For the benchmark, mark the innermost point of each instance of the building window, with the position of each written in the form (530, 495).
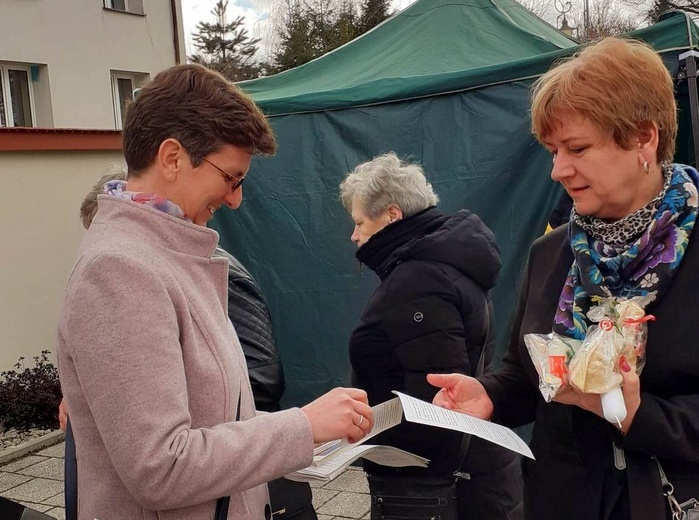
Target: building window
(128, 6)
(123, 86)
(16, 96)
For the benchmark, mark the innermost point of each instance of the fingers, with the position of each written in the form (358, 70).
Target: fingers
(362, 426)
(443, 399)
(357, 395)
(631, 390)
(359, 431)
(62, 414)
(341, 413)
(365, 418)
(355, 434)
(444, 380)
(361, 415)
(565, 395)
(630, 382)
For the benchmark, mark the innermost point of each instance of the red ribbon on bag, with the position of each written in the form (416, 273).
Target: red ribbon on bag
(636, 321)
(606, 324)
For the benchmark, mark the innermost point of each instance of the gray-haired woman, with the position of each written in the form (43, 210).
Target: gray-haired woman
(428, 315)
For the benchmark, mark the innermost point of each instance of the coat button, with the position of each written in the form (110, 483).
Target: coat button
(268, 512)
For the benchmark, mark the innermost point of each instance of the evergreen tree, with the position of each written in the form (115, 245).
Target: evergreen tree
(225, 46)
(295, 46)
(346, 26)
(373, 13)
(307, 29)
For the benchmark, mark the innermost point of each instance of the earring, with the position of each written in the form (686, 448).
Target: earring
(646, 167)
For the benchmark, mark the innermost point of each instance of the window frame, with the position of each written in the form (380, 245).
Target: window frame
(5, 67)
(115, 77)
(129, 8)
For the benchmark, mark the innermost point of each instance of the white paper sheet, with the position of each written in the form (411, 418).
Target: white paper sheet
(422, 412)
(333, 465)
(331, 458)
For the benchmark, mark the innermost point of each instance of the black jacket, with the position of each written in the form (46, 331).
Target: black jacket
(574, 475)
(428, 315)
(248, 311)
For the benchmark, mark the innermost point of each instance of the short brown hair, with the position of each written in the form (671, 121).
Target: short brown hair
(199, 108)
(620, 85)
(88, 208)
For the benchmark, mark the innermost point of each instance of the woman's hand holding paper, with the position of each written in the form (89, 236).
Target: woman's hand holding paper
(462, 394)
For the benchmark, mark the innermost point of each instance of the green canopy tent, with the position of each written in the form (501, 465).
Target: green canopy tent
(445, 83)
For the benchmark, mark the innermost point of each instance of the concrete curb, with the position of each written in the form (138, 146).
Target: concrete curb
(36, 444)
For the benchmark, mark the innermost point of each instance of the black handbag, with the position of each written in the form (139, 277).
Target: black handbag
(416, 498)
(688, 510)
(10, 510)
(402, 497)
(290, 499)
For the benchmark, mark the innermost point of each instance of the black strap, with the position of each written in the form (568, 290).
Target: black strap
(223, 502)
(678, 510)
(70, 475)
(466, 439)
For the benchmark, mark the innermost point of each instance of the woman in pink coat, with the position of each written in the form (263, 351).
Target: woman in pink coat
(161, 407)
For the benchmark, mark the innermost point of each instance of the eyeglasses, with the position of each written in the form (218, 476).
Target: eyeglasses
(235, 182)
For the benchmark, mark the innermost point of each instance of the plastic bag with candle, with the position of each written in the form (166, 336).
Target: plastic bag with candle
(592, 366)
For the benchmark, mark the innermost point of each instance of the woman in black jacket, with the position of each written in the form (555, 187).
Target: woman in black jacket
(608, 117)
(428, 315)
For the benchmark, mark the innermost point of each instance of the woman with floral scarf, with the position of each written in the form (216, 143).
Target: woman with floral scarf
(608, 117)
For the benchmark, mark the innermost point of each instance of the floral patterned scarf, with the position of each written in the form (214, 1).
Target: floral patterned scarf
(117, 189)
(644, 267)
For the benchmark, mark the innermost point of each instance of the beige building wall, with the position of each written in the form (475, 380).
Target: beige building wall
(77, 44)
(40, 233)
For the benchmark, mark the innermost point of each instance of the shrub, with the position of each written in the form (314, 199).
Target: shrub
(29, 397)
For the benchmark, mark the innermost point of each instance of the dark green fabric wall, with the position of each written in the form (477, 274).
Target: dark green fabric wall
(293, 233)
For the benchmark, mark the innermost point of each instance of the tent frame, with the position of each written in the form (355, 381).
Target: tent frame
(690, 61)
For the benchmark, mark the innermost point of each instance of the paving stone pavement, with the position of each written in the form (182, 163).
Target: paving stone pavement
(36, 481)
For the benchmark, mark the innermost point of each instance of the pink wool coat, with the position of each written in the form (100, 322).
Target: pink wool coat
(152, 371)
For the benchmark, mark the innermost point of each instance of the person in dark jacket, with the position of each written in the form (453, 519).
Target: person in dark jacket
(560, 215)
(248, 311)
(608, 116)
(428, 315)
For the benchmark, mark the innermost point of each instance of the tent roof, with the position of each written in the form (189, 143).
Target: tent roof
(676, 31)
(427, 39)
(435, 47)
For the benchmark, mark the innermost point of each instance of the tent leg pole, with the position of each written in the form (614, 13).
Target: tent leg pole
(693, 103)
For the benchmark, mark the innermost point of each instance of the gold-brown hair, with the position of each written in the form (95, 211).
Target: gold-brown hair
(199, 108)
(620, 85)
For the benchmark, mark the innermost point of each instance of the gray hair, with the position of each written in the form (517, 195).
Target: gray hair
(387, 180)
(88, 208)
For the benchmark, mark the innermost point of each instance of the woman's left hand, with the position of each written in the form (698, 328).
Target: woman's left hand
(630, 388)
